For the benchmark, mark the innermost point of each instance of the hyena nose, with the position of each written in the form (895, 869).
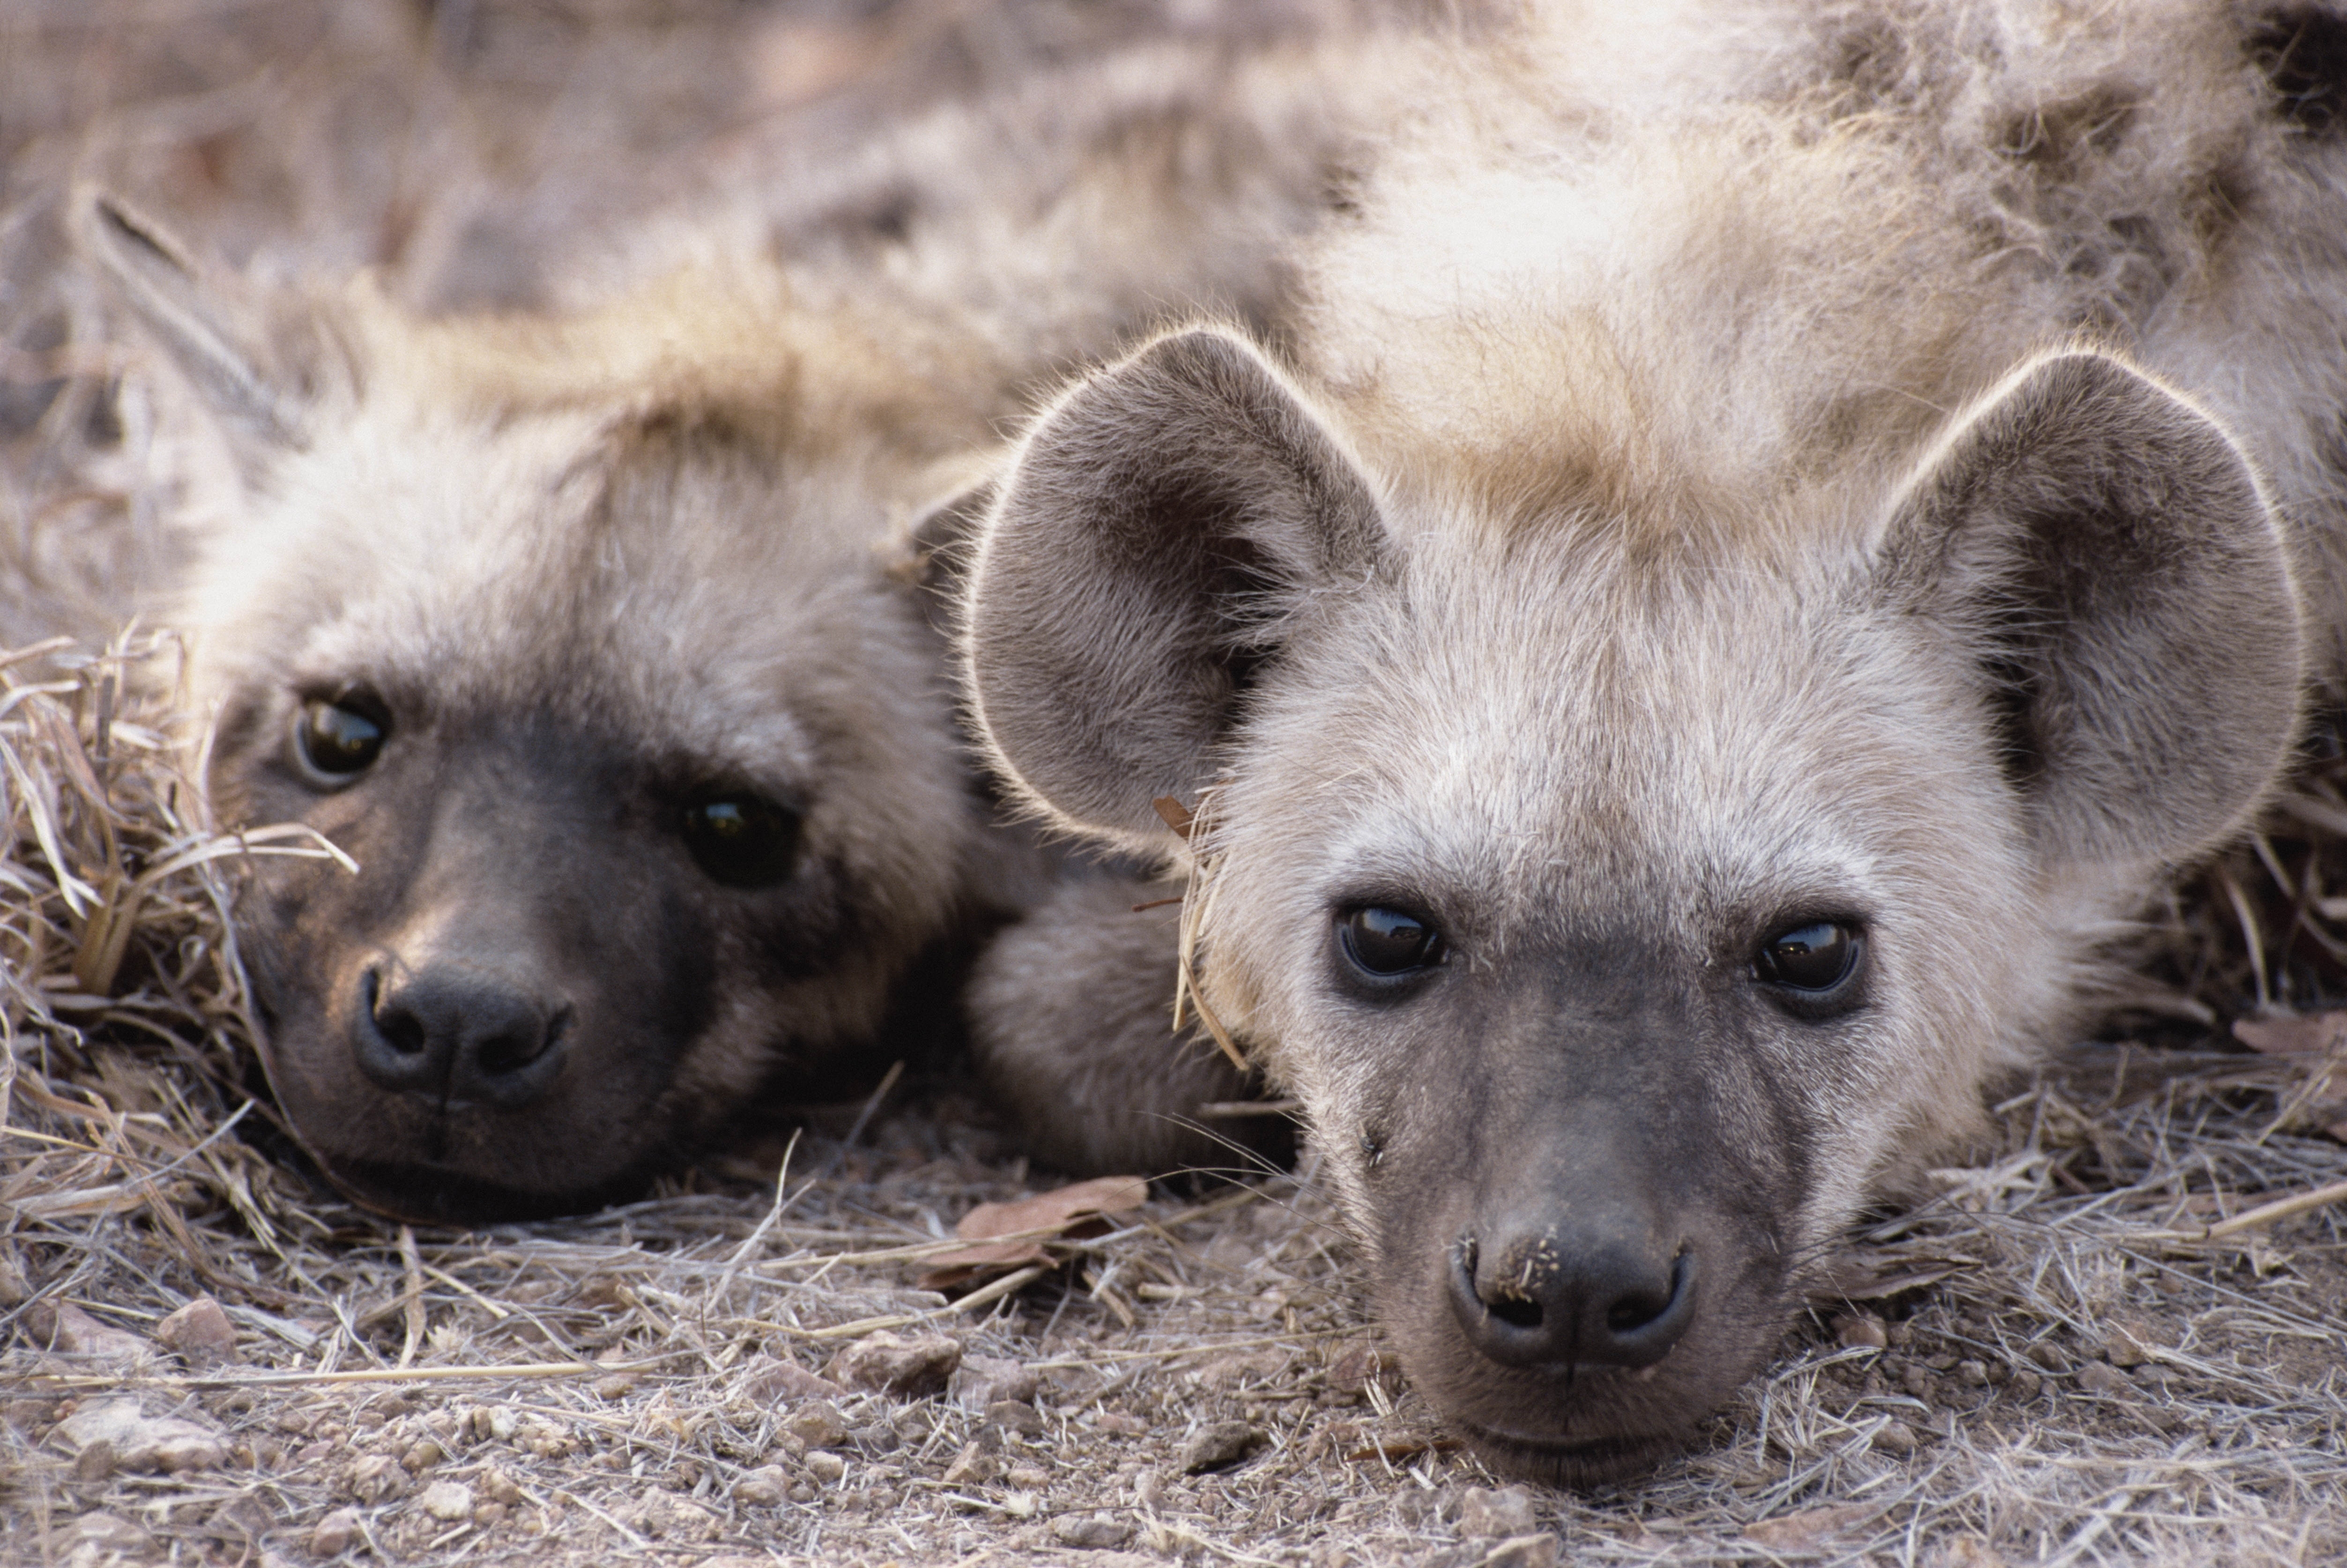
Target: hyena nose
(1546, 1296)
(451, 1030)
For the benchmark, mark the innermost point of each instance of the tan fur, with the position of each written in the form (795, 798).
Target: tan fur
(1715, 492)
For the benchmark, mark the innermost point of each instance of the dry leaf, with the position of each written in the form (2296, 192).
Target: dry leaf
(1073, 1211)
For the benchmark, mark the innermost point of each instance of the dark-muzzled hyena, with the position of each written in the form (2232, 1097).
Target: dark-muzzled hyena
(580, 633)
(1784, 522)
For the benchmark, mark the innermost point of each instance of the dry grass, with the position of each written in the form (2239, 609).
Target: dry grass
(2085, 1362)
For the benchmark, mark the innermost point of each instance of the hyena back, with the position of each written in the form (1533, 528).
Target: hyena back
(588, 636)
(1787, 521)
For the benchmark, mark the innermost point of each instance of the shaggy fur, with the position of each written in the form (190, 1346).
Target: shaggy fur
(592, 575)
(1749, 472)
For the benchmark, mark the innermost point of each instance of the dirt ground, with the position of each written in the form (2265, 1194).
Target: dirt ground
(2115, 1338)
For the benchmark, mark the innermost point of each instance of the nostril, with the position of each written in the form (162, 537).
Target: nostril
(400, 1029)
(524, 1040)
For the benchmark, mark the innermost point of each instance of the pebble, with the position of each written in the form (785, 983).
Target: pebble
(826, 1468)
(1895, 1438)
(109, 1533)
(972, 1466)
(62, 1326)
(2103, 1381)
(1219, 1447)
(906, 1368)
(421, 1456)
(1032, 1478)
(981, 1382)
(376, 1478)
(817, 1424)
(1015, 1415)
(143, 1442)
(1091, 1530)
(770, 1379)
(334, 1533)
(200, 1331)
(765, 1486)
(450, 1501)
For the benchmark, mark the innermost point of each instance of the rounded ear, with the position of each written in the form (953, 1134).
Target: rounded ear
(2105, 554)
(1159, 532)
(215, 328)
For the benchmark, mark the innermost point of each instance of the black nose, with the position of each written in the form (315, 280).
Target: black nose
(450, 1029)
(1553, 1296)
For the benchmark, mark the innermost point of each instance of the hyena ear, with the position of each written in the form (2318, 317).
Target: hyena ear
(1161, 530)
(215, 328)
(2105, 552)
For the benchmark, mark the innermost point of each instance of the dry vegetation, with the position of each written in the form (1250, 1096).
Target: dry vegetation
(2114, 1339)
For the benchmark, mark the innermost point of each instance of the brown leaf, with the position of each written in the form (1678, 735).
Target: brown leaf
(1070, 1211)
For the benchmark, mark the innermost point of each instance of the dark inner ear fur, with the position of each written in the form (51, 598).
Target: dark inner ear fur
(1163, 528)
(2102, 548)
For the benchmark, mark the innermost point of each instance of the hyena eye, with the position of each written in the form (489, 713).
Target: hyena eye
(1816, 956)
(338, 741)
(742, 840)
(1388, 943)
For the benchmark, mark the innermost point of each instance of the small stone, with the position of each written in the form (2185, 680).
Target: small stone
(769, 1381)
(62, 1326)
(1973, 1374)
(817, 1425)
(1523, 1551)
(140, 1442)
(1119, 1424)
(1896, 1439)
(972, 1466)
(1015, 1415)
(333, 1534)
(984, 1380)
(502, 1424)
(766, 1486)
(616, 1386)
(1029, 1477)
(1091, 1530)
(1149, 1490)
(95, 1462)
(497, 1485)
(1861, 1331)
(376, 1478)
(906, 1368)
(825, 1466)
(200, 1331)
(1493, 1515)
(450, 1501)
(241, 1520)
(108, 1534)
(488, 1515)
(2102, 1381)
(2128, 1344)
(1219, 1447)
(2024, 1383)
(666, 1516)
(421, 1456)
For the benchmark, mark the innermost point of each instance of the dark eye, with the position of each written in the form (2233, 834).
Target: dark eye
(1387, 943)
(742, 840)
(337, 740)
(1817, 956)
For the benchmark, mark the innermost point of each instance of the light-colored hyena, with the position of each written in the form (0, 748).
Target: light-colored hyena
(580, 632)
(1781, 523)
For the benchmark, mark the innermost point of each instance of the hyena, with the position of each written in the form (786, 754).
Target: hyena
(1779, 525)
(587, 634)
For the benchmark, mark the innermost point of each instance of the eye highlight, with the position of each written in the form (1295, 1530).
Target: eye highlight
(742, 840)
(337, 740)
(1387, 944)
(1814, 957)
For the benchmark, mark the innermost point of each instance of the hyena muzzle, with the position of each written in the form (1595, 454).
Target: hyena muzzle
(1757, 569)
(592, 636)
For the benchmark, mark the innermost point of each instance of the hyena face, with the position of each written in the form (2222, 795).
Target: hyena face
(1628, 890)
(638, 752)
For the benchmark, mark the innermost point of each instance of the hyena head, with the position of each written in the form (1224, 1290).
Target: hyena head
(596, 675)
(1626, 892)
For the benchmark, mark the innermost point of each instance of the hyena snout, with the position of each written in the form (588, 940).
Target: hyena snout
(1555, 1283)
(456, 1032)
